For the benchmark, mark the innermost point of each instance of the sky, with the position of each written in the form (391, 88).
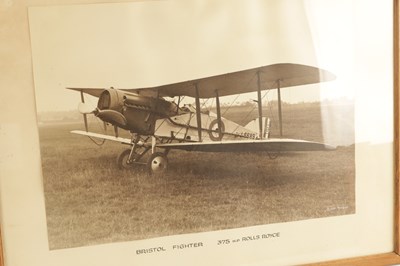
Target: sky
(144, 44)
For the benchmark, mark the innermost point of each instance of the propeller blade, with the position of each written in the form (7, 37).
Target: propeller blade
(85, 108)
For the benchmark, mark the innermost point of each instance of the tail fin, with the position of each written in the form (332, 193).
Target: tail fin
(253, 125)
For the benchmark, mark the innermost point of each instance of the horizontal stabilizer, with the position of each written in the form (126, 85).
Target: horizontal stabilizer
(272, 145)
(102, 136)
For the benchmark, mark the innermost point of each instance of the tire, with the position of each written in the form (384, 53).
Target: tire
(157, 163)
(122, 160)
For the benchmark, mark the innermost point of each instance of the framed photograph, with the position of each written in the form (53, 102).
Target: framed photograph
(222, 133)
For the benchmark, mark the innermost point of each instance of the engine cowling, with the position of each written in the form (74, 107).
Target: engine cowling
(111, 99)
(132, 111)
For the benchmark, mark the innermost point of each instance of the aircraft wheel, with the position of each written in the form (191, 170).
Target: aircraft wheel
(158, 163)
(122, 160)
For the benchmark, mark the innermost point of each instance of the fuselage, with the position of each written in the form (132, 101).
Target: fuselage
(146, 115)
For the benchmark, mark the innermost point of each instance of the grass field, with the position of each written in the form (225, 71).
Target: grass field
(89, 201)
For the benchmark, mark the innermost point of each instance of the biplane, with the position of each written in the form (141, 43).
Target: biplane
(157, 125)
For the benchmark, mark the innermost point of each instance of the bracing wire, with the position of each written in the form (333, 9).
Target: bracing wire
(229, 107)
(251, 111)
(247, 85)
(97, 143)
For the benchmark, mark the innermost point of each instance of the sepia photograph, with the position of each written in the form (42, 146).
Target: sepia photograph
(167, 118)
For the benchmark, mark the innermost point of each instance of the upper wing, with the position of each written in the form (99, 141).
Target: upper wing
(238, 82)
(246, 81)
(272, 145)
(91, 91)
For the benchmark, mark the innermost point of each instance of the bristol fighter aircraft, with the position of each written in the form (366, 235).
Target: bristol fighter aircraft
(157, 125)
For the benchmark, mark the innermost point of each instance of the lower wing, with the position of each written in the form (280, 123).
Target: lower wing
(102, 136)
(273, 145)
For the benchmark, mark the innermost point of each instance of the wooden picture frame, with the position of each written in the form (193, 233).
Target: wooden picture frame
(393, 257)
(374, 259)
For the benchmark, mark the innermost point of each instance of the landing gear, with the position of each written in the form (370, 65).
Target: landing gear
(131, 157)
(157, 163)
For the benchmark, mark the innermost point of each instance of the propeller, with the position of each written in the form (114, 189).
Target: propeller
(85, 109)
(108, 116)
